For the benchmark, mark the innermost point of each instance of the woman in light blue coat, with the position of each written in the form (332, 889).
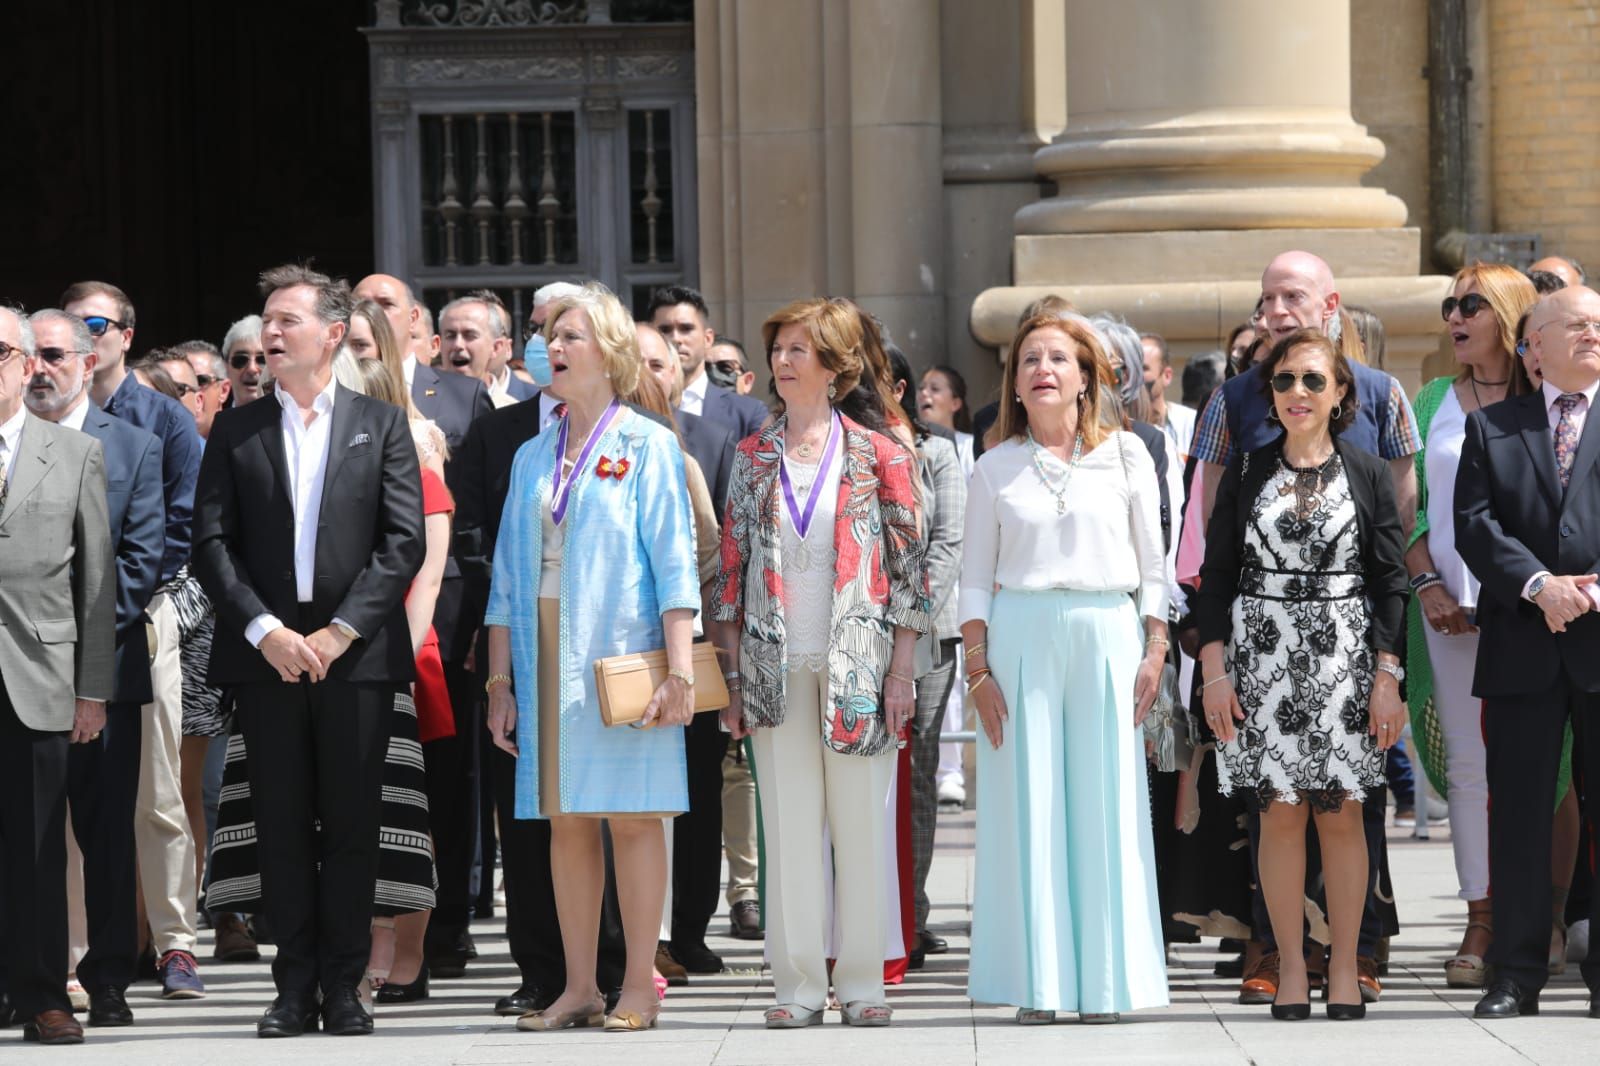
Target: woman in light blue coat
(610, 483)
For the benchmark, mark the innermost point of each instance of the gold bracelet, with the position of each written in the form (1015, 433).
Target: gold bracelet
(978, 649)
(901, 677)
(973, 686)
(1214, 681)
(682, 675)
(496, 679)
(1156, 640)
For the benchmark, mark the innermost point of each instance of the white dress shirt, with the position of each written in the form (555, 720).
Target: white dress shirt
(1580, 415)
(547, 409)
(305, 447)
(694, 394)
(10, 435)
(408, 367)
(73, 419)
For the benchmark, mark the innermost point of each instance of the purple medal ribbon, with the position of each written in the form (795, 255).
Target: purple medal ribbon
(563, 488)
(802, 520)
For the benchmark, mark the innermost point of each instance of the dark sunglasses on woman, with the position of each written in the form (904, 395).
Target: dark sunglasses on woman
(1470, 305)
(1283, 381)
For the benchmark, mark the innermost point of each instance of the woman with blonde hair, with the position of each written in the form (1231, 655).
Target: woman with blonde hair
(820, 600)
(1063, 564)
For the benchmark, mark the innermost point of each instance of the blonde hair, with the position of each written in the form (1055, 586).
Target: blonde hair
(613, 332)
(1510, 295)
(391, 355)
(1092, 363)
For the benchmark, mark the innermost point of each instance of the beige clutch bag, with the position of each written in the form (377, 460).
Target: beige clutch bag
(626, 683)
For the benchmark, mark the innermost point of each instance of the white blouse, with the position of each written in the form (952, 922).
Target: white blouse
(1109, 539)
(808, 566)
(1446, 434)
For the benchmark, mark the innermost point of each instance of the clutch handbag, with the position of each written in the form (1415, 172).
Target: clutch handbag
(626, 683)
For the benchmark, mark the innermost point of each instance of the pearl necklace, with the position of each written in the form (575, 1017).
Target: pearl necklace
(1038, 465)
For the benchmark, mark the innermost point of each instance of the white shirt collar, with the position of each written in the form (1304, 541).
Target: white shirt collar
(73, 419)
(409, 368)
(11, 433)
(322, 403)
(547, 407)
(502, 384)
(697, 387)
(1552, 394)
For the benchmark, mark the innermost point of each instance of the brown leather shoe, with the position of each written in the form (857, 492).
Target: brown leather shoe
(1367, 978)
(670, 968)
(234, 942)
(744, 920)
(53, 1027)
(1260, 983)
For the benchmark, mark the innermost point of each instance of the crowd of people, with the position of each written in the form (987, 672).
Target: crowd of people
(307, 636)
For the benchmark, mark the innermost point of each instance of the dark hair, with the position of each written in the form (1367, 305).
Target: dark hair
(333, 301)
(1251, 354)
(82, 290)
(1161, 346)
(673, 295)
(900, 374)
(962, 419)
(719, 339)
(1545, 283)
(1201, 376)
(1342, 372)
(1233, 335)
(161, 381)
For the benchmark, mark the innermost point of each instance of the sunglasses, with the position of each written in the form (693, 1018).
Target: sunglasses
(184, 388)
(98, 324)
(206, 380)
(1283, 381)
(1470, 305)
(240, 360)
(55, 356)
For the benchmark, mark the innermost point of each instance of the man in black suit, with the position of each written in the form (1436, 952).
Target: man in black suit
(103, 775)
(679, 314)
(308, 534)
(1528, 525)
(710, 442)
(452, 401)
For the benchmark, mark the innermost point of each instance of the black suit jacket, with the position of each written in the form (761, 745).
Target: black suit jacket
(370, 539)
(1512, 520)
(1377, 519)
(742, 414)
(134, 501)
(712, 444)
(1155, 442)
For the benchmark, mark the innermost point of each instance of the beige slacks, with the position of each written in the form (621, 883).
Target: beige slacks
(160, 823)
(804, 787)
(739, 825)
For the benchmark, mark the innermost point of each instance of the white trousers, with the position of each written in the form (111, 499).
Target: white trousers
(805, 787)
(951, 764)
(1460, 713)
(160, 823)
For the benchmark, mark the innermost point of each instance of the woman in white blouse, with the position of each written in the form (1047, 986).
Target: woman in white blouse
(1062, 560)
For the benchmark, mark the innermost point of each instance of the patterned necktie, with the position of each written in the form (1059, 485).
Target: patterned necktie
(558, 412)
(1567, 435)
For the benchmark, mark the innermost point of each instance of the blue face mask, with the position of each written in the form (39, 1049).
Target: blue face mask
(536, 360)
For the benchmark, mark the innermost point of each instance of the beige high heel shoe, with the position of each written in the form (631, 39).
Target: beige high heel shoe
(1467, 970)
(589, 1016)
(632, 1021)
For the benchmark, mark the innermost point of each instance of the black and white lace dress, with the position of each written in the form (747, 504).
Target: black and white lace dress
(1301, 655)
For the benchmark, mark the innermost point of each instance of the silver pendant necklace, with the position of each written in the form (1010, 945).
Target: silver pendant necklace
(1038, 465)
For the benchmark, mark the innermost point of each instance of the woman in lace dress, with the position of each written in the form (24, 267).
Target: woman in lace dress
(1301, 616)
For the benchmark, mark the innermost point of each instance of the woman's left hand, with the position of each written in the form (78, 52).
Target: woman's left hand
(1386, 714)
(899, 704)
(1146, 684)
(673, 704)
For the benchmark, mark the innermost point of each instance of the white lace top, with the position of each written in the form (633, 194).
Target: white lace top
(808, 568)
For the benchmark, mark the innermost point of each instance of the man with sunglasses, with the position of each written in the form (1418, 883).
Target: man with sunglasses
(166, 846)
(103, 775)
(1527, 522)
(210, 377)
(1297, 292)
(246, 360)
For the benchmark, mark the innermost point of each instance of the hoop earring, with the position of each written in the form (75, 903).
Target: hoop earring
(1338, 410)
(833, 391)
(1272, 416)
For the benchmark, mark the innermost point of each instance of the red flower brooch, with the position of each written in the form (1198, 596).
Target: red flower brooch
(608, 467)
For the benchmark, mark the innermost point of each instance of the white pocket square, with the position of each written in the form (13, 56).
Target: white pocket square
(359, 438)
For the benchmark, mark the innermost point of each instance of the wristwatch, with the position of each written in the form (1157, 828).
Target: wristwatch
(1536, 586)
(1394, 670)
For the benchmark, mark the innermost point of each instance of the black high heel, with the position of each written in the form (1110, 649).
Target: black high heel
(1347, 1012)
(1291, 1012)
(391, 992)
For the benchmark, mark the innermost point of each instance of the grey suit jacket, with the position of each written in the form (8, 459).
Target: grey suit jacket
(58, 583)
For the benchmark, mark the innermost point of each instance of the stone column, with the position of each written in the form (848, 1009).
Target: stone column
(1201, 140)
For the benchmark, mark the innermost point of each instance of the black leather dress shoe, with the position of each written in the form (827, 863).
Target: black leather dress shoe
(108, 1007)
(393, 992)
(1507, 999)
(698, 959)
(343, 1014)
(933, 945)
(7, 1015)
(1594, 1005)
(916, 959)
(288, 1016)
(523, 1000)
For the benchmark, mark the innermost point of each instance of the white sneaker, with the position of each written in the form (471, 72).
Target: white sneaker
(952, 793)
(1578, 940)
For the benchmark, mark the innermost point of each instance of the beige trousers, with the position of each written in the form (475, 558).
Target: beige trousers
(739, 825)
(804, 787)
(160, 823)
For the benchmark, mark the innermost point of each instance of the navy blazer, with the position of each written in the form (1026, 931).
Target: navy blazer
(520, 390)
(742, 414)
(133, 501)
(180, 461)
(712, 445)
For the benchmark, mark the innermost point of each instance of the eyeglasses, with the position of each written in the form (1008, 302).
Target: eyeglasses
(206, 380)
(1470, 305)
(1314, 382)
(8, 350)
(727, 366)
(98, 324)
(1522, 348)
(184, 388)
(55, 356)
(1576, 327)
(240, 360)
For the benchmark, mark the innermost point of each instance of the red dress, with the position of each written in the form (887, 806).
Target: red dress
(435, 719)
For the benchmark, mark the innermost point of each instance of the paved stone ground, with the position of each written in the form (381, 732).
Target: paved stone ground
(718, 1020)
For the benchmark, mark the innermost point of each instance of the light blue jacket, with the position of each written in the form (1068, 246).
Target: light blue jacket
(628, 556)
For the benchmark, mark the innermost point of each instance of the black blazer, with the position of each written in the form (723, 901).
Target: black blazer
(138, 530)
(451, 400)
(1512, 520)
(1377, 522)
(370, 538)
(742, 414)
(712, 444)
(1155, 442)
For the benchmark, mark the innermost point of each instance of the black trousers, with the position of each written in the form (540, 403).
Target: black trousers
(452, 765)
(33, 853)
(316, 756)
(697, 835)
(1523, 737)
(102, 786)
(533, 931)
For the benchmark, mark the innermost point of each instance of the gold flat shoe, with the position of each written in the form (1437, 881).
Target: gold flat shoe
(542, 1021)
(630, 1021)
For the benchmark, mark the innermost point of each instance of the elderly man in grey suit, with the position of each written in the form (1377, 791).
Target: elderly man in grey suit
(57, 657)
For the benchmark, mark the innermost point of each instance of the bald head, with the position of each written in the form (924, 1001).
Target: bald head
(661, 361)
(1561, 267)
(1564, 336)
(1298, 292)
(399, 307)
